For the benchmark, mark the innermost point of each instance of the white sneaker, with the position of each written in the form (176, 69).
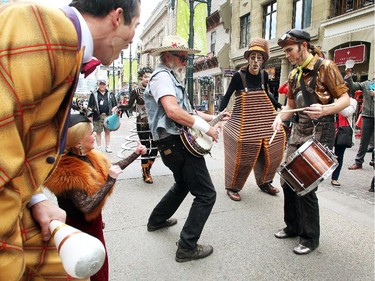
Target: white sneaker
(99, 148)
(108, 149)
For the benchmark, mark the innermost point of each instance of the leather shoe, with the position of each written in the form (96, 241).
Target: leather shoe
(200, 252)
(355, 166)
(281, 234)
(302, 250)
(234, 195)
(269, 188)
(167, 223)
(335, 183)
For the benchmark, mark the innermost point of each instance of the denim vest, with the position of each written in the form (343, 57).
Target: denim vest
(160, 125)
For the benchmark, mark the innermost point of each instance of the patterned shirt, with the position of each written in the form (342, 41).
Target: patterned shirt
(329, 81)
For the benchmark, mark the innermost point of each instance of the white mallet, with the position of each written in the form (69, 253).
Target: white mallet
(82, 255)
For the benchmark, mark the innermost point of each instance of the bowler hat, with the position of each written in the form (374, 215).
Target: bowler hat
(293, 36)
(74, 119)
(258, 45)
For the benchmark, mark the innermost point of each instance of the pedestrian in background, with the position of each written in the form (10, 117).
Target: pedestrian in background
(43, 50)
(102, 103)
(143, 128)
(169, 108)
(367, 115)
(343, 119)
(301, 213)
(83, 181)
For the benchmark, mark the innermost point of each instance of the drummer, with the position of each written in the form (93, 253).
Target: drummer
(301, 213)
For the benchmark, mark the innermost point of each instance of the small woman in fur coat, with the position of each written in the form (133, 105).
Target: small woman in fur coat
(83, 180)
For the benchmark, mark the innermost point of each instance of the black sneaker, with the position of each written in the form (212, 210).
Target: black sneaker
(167, 223)
(200, 252)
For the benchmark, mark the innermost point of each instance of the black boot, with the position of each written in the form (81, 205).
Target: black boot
(145, 173)
(200, 252)
(372, 185)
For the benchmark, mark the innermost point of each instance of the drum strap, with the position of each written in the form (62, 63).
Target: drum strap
(306, 95)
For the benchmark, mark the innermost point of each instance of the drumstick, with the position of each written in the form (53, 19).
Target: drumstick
(300, 109)
(273, 136)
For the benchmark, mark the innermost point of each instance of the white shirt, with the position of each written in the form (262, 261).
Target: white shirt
(87, 40)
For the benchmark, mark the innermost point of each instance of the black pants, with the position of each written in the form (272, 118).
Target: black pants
(301, 216)
(301, 213)
(367, 132)
(191, 175)
(339, 152)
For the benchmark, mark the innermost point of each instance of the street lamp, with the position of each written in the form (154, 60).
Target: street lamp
(113, 77)
(131, 59)
(191, 42)
(130, 68)
(190, 66)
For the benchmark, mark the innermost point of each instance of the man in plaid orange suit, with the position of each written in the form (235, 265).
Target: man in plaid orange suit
(42, 51)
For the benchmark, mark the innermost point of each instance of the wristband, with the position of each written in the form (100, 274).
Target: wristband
(200, 124)
(36, 198)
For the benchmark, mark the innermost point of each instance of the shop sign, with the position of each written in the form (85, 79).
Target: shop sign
(355, 53)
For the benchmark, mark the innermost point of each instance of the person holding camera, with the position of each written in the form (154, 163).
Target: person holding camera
(101, 103)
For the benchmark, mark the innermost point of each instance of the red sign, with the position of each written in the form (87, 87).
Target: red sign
(356, 53)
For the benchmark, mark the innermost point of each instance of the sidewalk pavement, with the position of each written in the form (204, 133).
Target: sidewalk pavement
(240, 232)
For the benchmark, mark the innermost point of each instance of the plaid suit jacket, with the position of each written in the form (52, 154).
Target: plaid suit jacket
(39, 68)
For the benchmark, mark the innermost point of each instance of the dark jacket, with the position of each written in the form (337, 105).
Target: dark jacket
(94, 107)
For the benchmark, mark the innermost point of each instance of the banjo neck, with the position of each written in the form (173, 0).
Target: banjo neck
(216, 120)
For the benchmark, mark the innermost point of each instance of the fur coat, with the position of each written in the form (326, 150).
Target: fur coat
(74, 173)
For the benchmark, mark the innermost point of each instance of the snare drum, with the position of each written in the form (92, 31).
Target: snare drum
(308, 166)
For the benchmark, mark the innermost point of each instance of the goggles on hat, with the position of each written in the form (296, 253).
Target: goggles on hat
(293, 35)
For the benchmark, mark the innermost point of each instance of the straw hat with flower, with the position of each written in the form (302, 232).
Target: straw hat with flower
(172, 43)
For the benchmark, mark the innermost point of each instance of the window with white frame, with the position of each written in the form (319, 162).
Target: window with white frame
(244, 30)
(301, 13)
(269, 20)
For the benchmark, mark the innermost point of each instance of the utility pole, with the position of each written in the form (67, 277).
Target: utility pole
(113, 77)
(130, 68)
(190, 66)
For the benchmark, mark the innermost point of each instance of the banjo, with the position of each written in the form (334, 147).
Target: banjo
(197, 142)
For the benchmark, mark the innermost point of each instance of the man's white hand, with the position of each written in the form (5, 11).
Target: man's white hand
(44, 212)
(213, 133)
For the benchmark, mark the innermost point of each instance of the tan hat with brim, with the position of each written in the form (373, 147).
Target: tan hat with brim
(258, 45)
(172, 43)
